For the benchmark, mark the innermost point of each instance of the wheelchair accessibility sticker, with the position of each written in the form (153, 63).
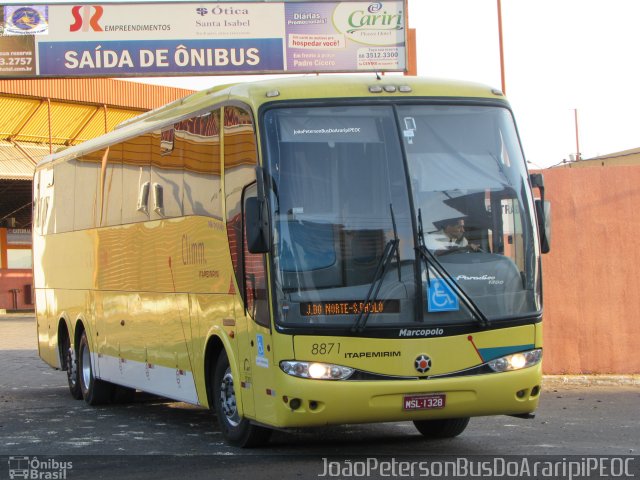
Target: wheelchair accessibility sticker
(440, 297)
(261, 359)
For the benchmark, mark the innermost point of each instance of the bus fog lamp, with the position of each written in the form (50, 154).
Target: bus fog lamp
(316, 370)
(516, 361)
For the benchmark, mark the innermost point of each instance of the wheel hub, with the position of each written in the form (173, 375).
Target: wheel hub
(228, 399)
(86, 367)
(72, 366)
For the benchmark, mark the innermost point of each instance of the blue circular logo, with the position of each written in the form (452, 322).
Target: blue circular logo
(26, 18)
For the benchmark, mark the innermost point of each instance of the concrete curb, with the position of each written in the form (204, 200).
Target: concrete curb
(550, 381)
(11, 315)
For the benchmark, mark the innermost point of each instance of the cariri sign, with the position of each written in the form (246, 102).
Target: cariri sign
(172, 39)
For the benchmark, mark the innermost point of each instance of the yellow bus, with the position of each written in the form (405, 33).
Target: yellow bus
(299, 252)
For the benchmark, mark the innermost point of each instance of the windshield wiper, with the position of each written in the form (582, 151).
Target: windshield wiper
(390, 249)
(397, 240)
(432, 260)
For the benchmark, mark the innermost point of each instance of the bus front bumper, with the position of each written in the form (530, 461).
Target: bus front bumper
(305, 402)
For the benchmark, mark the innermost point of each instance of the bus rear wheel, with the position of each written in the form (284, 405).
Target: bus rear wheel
(238, 431)
(442, 428)
(94, 391)
(71, 366)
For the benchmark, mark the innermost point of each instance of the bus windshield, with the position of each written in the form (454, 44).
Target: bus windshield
(359, 192)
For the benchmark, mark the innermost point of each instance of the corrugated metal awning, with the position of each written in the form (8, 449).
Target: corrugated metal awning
(40, 116)
(15, 165)
(31, 128)
(32, 120)
(101, 91)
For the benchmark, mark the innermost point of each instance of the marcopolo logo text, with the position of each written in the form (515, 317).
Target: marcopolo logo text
(421, 332)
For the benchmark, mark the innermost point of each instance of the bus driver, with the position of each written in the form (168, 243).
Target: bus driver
(450, 236)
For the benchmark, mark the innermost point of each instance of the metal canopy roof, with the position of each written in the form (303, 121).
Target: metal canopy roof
(15, 165)
(29, 122)
(38, 117)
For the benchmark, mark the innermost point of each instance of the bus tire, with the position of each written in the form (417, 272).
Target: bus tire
(71, 366)
(442, 428)
(94, 391)
(237, 431)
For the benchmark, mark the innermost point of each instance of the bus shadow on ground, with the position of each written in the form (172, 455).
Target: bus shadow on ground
(55, 423)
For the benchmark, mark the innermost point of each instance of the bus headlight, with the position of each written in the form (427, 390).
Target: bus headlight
(516, 361)
(316, 370)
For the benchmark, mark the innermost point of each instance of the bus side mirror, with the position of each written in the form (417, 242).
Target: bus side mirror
(257, 225)
(543, 213)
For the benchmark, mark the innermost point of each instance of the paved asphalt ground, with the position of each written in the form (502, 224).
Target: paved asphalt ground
(157, 438)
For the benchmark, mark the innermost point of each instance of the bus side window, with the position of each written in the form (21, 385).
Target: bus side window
(87, 178)
(61, 220)
(166, 189)
(136, 173)
(112, 188)
(199, 140)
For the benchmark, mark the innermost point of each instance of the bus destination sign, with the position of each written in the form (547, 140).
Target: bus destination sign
(349, 307)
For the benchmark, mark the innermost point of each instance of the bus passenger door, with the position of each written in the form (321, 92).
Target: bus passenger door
(248, 277)
(255, 355)
(257, 319)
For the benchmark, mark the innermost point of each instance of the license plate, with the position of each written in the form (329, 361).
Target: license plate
(424, 402)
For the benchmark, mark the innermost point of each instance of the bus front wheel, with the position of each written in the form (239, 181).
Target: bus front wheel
(442, 428)
(236, 430)
(94, 391)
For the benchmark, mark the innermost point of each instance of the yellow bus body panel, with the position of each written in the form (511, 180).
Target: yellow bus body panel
(326, 402)
(389, 356)
(382, 401)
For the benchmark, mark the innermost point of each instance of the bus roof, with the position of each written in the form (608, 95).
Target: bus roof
(358, 86)
(257, 93)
